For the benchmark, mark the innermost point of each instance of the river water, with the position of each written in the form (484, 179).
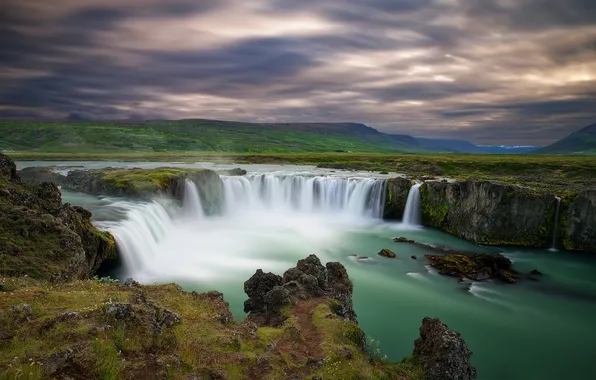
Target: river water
(277, 215)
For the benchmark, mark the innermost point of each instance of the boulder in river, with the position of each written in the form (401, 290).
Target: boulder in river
(387, 253)
(474, 266)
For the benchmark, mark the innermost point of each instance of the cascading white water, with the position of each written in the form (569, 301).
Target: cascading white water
(260, 209)
(138, 235)
(363, 197)
(191, 203)
(556, 225)
(412, 210)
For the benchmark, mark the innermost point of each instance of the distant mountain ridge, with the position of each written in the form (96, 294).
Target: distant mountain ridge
(202, 135)
(579, 142)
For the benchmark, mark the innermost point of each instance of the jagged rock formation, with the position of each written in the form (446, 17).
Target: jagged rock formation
(442, 353)
(42, 237)
(269, 293)
(397, 195)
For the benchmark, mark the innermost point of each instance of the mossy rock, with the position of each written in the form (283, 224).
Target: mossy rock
(149, 183)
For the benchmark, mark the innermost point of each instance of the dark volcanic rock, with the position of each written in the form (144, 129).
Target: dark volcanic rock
(269, 293)
(312, 265)
(387, 253)
(442, 353)
(475, 266)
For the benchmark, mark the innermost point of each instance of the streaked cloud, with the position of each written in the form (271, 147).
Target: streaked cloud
(491, 71)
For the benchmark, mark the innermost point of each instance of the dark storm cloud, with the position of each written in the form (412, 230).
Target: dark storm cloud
(489, 71)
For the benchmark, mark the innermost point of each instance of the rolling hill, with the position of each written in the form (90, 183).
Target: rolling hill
(200, 135)
(580, 142)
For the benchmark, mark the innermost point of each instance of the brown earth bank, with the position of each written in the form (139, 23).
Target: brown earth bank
(56, 323)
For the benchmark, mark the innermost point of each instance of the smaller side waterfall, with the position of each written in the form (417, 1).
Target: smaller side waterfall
(412, 211)
(191, 203)
(556, 225)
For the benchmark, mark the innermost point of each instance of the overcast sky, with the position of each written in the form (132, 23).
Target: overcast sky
(490, 71)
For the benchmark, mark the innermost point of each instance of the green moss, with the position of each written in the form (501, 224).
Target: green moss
(107, 359)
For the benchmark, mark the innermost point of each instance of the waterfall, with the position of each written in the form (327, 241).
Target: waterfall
(139, 233)
(412, 211)
(152, 234)
(191, 203)
(556, 225)
(355, 196)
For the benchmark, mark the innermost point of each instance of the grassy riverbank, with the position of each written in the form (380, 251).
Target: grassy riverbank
(533, 170)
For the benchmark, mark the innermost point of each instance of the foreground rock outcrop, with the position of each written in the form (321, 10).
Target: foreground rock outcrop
(43, 238)
(102, 329)
(442, 353)
(269, 293)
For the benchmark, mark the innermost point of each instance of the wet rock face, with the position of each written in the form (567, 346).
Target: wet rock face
(489, 213)
(578, 223)
(397, 195)
(269, 293)
(442, 353)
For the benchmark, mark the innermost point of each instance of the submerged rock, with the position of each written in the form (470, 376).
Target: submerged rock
(442, 353)
(478, 266)
(387, 253)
